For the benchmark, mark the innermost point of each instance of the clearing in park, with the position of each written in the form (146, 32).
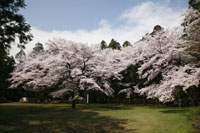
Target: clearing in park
(101, 118)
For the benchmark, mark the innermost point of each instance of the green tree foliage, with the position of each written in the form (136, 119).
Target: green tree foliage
(126, 44)
(13, 27)
(114, 44)
(20, 56)
(156, 29)
(195, 4)
(12, 24)
(103, 44)
(6, 66)
(38, 48)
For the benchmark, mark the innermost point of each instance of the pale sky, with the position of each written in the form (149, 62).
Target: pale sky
(90, 21)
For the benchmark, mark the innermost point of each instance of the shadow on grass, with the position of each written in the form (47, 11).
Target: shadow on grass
(170, 110)
(174, 111)
(57, 119)
(106, 107)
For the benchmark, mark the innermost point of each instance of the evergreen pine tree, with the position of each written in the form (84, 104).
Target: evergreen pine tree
(114, 44)
(103, 44)
(126, 44)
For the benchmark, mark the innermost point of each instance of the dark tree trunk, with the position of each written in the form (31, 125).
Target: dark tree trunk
(73, 101)
(179, 103)
(145, 102)
(73, 104)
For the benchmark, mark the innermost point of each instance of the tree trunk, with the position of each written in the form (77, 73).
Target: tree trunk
(193, 103)
(87, 98)
(179, 103)
(73, 100)
(73, 104)
(145, 102)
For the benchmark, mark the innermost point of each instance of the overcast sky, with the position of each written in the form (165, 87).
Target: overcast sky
(90, 21)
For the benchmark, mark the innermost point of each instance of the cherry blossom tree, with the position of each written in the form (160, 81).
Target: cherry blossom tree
(108, 66)
(163, 65)
(161, 60)
(66, 64)
(191, 25)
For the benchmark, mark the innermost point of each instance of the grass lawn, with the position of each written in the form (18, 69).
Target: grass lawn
(105, 118)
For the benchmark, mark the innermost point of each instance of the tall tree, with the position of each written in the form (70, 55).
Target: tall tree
(191, 25)
(37, 49)
(6, 67)
(162, 65)
(194, 4)
(156, 29)
(114, 44)
(64, 64)
(126, 44)
(12, 24)
(103, 44)
(13, 28)
(20, 56)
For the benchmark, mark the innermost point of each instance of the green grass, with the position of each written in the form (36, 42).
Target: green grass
(195, 117)
(105, 118)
